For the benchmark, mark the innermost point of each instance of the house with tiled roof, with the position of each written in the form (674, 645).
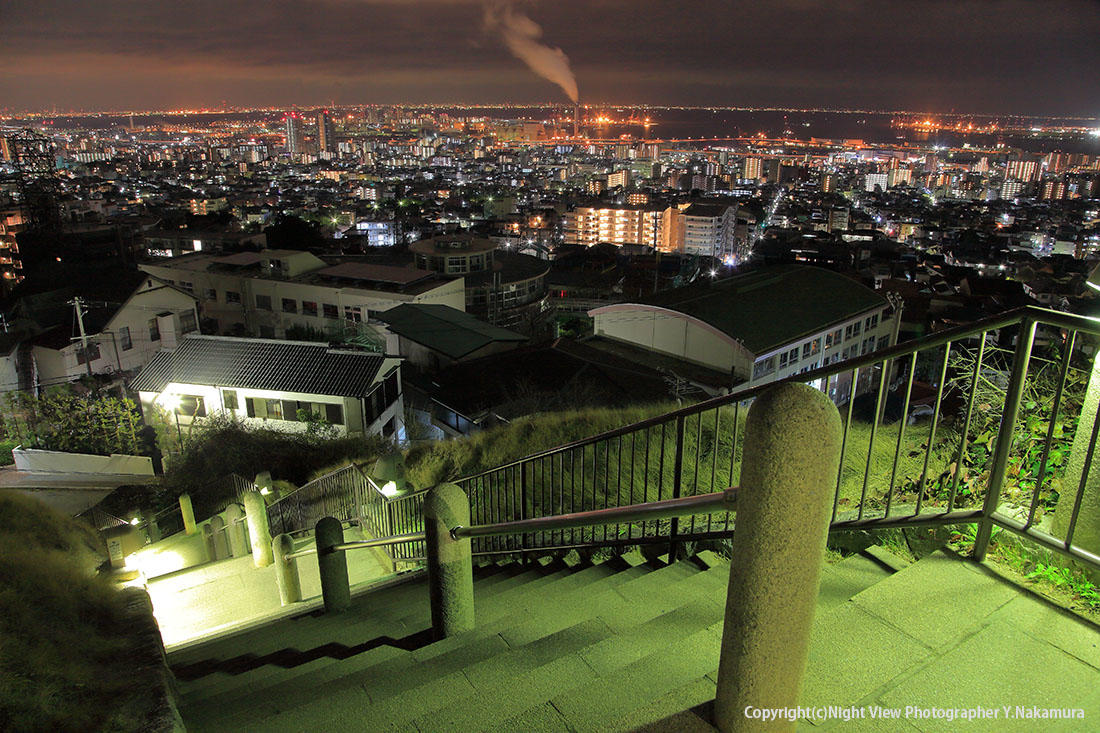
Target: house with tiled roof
(275, 383)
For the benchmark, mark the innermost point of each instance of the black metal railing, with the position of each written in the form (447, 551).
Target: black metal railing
(1002, 397)
(349, 495)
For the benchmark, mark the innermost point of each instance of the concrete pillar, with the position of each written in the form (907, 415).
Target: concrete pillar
(210, 548)
(286, 570)
(791, 456)
(188, 514)
(1086, 533)
(333, 565)
(221, 542)
(235, 528)
(258, 532)
(450, 566)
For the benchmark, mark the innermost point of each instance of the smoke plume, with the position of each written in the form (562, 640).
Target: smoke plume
(521, 35)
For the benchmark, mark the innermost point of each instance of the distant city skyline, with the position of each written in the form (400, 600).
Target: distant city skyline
(973, 56)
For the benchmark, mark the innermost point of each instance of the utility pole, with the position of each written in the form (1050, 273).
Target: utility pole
(79, 305)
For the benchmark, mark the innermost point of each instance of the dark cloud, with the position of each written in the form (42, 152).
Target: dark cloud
(979, 55)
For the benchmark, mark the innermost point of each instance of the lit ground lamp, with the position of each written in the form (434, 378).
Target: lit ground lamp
(1086, 533)
(388, 475)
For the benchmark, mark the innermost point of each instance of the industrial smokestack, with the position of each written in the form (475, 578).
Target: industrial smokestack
(576, 119)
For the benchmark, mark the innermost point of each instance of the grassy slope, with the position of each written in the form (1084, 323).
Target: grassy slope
(63, 641)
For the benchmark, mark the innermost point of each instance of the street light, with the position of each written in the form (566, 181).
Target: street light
(171, 401)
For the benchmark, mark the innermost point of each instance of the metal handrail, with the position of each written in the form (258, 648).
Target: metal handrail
(1015, 317)
(719, 501)
(684, 506)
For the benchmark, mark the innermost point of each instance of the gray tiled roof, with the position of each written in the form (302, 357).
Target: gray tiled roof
(444, 329)
(289, 366)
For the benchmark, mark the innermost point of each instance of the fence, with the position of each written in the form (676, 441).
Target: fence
(975, 459)
(349, 495)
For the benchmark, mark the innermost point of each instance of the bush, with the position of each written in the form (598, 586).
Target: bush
(66, 656)
(223, 445)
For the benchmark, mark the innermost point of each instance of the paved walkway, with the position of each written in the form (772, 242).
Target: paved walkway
(219, 597)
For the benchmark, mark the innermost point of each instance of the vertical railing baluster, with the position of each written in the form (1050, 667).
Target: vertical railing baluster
(901, 432)
(1049, 441)
(1005, 434)
(932, 430)
(874, 429)
(844, 438)
(975, 375)
(677, 476)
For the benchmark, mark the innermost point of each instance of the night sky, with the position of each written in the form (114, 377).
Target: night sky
(1022, 56)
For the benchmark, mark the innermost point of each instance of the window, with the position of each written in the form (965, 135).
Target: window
(848, 332)
(883, 342)
(810, 348)
(783, 360)
(229, 399)
(212, 294)
(763, 368)
(187, 322)
(124, 340)
(353, 314)
(334, 414)
(290, 305)
(154, 329)
(856, 327)
(792, 355)
(309, 307)
(274, 409)
(331, 311)
(874, 321)
(263, 302)
(191, 406)
(189, 287)
(232, 297)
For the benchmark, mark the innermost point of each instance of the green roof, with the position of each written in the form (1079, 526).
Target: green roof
(767, 308)
(444, 329)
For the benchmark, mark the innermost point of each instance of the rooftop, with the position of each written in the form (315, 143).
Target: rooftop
(767, 308)
(444, 329)
(289, 366)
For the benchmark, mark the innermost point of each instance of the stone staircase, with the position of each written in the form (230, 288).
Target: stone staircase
(622, 644)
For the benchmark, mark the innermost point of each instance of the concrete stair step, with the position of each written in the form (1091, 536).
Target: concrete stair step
(589, 707)
(391, 604)
(672, 712)
(221, 685)
(525, 684)
(528, 675)
(850, 576)
(277, 692)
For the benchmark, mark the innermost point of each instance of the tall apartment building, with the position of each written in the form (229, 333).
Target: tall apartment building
(324, 132)
(752, 169)
(589, 225)
(1022, 170)
(294, 136)
(12, 221)
(699, 229)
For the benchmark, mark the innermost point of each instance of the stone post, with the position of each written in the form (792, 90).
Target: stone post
(259, 534)
(1086, 532)
(235, 527)
(286, 570)
(450, 566)
(791, 456)
(188, 514)
(333, 565)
